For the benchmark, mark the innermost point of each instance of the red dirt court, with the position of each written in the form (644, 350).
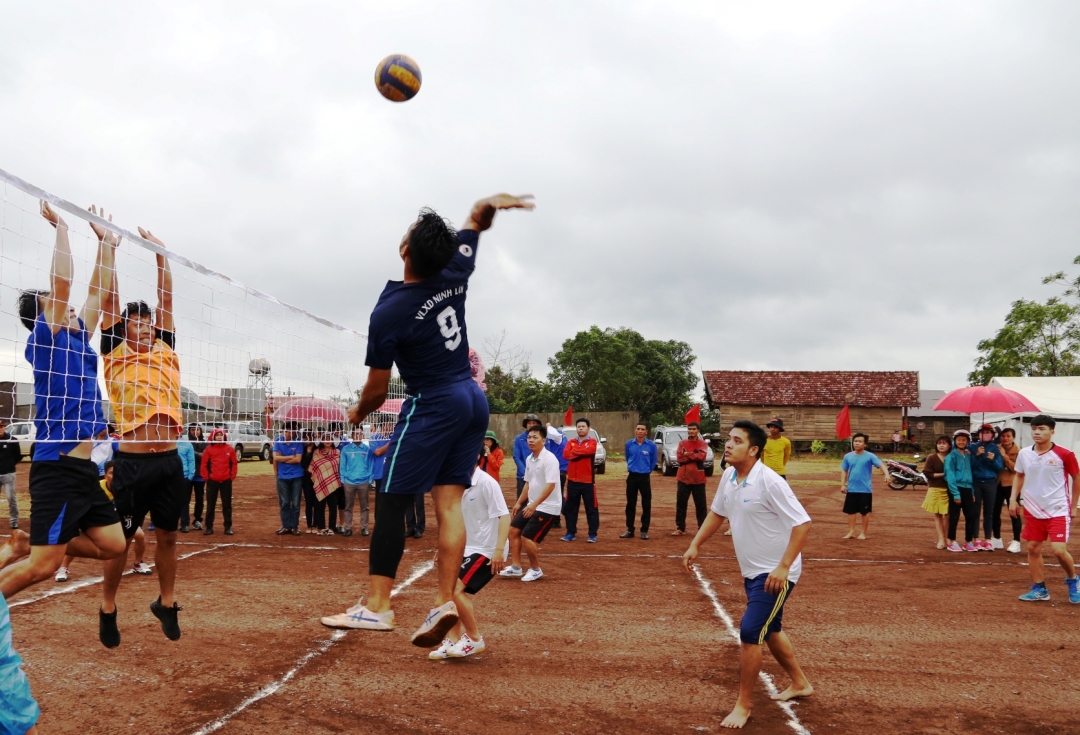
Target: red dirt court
(895, 636)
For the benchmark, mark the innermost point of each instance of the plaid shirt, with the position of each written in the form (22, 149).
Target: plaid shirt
(324, 472)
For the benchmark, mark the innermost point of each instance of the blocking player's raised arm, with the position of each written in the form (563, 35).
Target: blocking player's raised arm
(101, 279)
(55, 306)
(163, 316)
(483, 212)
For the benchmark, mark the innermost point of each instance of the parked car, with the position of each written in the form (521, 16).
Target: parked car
(25, 432)
(600, 460)
(248, 437)
(667, 440)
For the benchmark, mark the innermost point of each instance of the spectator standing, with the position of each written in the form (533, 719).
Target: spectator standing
(1009, 452)
(986, 463)
(288, 453)
(897, 437)
(937, 494)
(187, 460)
(10, 456)
(690, 478)
(580, 455)
(416, 517)
(777, 448)
(958, 477)
(491, 461)
(640, 461)
(857, 481)
(380, 441)
(521, 449)
(311, 503)
(198, 482)
(219, 467)
(357, 466)
(325, 472)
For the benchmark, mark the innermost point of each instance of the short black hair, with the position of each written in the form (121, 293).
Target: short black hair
(642, 424)
(1011, 431)
(754, 433)
(432, 243)
(30, 306)
(1043, 420)
(539, 429)
(583, 419)
(136, 308)
(857, 434)
(693, 423)
(943, 438)
(108, 466)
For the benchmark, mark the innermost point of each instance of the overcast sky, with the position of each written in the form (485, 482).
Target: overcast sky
(804, 185)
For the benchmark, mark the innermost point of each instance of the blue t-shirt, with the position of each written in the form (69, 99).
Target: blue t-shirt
(377, 463)
(288, 449)
(860, 469)
(356, 464)
(67, 400)
(640, 458)
(420, 327)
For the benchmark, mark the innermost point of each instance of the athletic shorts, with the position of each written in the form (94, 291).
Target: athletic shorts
(475, 573)
(1055, 530)
(18, 710)
(536, 526)
(861, 503)
(149, 483)
(438, 437)
(65, 498)
(764, 610)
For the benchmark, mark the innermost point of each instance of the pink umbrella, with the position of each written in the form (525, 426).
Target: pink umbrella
(985, 399)
(310, 409)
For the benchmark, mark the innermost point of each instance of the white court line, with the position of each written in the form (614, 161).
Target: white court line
(76, 586)
(418, 571)
(706, 587)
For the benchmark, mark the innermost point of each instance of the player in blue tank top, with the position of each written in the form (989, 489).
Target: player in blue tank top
(418, 324)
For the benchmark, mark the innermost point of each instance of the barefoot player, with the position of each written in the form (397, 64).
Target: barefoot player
(142, 374)
(419, 325)
(64, 493)
(768, 527)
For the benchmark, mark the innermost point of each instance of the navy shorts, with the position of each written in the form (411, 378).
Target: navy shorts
(66, 498)
(764, 610)
(475, 573)
(438, 437)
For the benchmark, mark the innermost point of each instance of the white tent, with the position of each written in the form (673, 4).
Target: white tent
(1057, 397)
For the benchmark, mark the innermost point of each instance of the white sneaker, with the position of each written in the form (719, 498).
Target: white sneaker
(532, 575)
(997, 543)
(511, 572)
(141, 567)
(436, 625)
(442, 651)
(61, 574)
(359, 617)
(1014, 547)
(466, 646)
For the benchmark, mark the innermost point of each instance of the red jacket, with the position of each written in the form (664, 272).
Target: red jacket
(219, 462)
(581, 453)
(690, 452)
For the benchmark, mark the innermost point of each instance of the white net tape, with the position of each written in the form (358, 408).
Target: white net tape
(243, 354)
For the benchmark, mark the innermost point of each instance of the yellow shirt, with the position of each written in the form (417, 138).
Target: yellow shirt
(141, 384)
(107, 493)
(777, 453)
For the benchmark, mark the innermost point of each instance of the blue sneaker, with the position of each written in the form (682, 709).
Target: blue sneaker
(592, 539)
(568, 537)
(1074, 590)
(1037, 593)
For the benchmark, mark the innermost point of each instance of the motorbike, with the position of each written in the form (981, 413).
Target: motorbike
(902, 474)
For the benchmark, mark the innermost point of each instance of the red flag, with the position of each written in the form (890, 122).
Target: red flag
(568, 419)
(843, 423)
(694, 414)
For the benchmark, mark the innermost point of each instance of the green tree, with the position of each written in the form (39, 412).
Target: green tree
(1037, 339)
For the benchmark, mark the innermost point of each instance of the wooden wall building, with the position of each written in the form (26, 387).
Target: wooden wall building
(809, 402)
(926, 424)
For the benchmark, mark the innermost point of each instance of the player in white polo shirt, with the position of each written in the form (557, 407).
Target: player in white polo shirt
(536, 509)
(769, 528)
(1046, 475)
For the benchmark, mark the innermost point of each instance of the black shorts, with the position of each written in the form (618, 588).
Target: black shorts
(475, 573)
(66, 498)
(149, 483)
(535, 527)
(861, 503)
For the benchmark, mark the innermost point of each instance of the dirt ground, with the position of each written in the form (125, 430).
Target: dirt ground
(894, 635)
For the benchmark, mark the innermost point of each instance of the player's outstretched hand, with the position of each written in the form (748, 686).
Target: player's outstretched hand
(689, 557)
(51, 216)
(147, 235)
(103, 235)
(483, 212)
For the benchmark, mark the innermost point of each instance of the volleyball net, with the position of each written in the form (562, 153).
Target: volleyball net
(244, 355)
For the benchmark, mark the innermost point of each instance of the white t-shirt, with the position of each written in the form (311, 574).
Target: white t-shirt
(762, 511)
(482, 506)
(539, 473)
(1046, 492)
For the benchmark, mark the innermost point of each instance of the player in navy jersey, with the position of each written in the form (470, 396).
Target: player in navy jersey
(419, 325)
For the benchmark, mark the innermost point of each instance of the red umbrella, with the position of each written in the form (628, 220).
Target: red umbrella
(310, 409)
(985, 399)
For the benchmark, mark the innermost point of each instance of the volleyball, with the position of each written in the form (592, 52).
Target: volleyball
(397, 77)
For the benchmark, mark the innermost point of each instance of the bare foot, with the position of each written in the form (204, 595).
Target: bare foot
(862, 537)
(16, 548)
(794, 693)
(941, 544)
(737, 718)
(850, 534)
(677, 532)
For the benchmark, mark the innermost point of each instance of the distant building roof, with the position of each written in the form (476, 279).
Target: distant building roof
(891, 389)
(926, 411)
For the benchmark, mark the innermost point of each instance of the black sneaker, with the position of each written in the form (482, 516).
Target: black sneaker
(228, 532)
(108, 633)
(628, 534)
(295, 532)
(282, 531)
(645, 535)
(209, 531)
(197, 525)
(364, 532)
(184, 528)
(347, 532)
(170, 626)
